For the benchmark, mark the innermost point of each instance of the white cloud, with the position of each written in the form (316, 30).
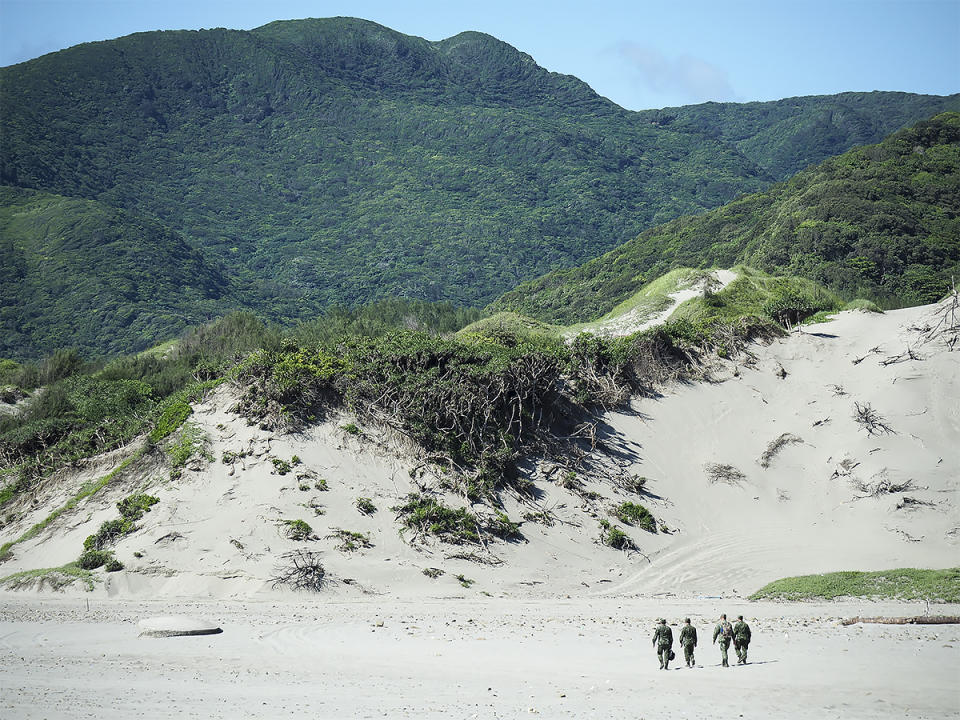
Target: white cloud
(684, 77)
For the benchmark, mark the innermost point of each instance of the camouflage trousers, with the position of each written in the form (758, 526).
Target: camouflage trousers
(663, 653)
(724, 645)
(688, 654)
(741, 648)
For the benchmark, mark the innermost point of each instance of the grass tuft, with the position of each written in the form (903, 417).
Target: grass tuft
(941, 586)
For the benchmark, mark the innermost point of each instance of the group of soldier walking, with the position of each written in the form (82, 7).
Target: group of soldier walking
(738, 634)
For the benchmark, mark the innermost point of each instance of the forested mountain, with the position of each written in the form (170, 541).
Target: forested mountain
(337, 161)
(77, 273)
(880, 222)
(786, 136)
(321, 162)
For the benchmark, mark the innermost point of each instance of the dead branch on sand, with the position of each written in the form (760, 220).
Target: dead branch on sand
(907, 354)
(883, 486)
(915, 620)
(870, 420)
(947, 326)
(844, 468)
(305, 572)
(909, 503)
(718, 472)
(776, 446)
(474, 557)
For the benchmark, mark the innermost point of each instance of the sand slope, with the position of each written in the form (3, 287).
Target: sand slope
(558, 625)
(819, 505)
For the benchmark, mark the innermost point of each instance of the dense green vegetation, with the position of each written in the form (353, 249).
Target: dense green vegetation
(84, 409)
(786, 299)
(786, 136)
(324, 162)
(902, 584)
(880, 222)
(77, 273)
(477, 402)
(76, 409)
(306, 164)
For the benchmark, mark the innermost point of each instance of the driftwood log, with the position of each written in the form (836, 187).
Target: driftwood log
(915, 620)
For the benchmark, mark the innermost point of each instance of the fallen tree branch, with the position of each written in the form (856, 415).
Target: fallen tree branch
(915, 620)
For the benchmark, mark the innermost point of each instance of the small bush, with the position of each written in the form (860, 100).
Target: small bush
(134, 506)
(298, 530)
(110, 531)
(426, 516)
(229, 457)
(350, 541)
(92, 559)
(432, 572)
(863, 306)
(281, 467)
(113, 565)
(365, 506)
(465, 581)
(614, 537)
(351, 429)
(503, 527)
(191, 442)
(637, 515)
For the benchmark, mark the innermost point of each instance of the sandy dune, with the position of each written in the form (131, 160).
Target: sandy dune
(558, 624)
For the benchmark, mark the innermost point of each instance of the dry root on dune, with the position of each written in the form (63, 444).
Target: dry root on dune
(303, 571)
(870, 420)
(718, 472)
(776, 446)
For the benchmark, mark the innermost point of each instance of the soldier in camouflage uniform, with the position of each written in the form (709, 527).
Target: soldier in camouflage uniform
(724, 631)
(688, 641)
(741, 640)
(663, 641)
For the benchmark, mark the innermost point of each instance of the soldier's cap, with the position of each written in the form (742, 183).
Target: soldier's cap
(687, 620)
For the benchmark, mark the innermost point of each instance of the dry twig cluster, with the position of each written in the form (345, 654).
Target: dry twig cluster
(776, 446)
(718, 472)
(304, 571)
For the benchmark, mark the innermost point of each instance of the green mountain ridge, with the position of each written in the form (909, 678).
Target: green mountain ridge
(75, 268)
(786, 136)
(336, 162)
(880, 222)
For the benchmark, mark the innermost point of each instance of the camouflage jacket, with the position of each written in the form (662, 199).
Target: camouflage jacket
(718, 632)
(688, 635)
(663, 636)
(741, 632)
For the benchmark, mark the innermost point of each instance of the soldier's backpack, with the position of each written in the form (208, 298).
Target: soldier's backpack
(726, 630)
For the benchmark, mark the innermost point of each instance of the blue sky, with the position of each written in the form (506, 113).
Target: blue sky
(638, 53)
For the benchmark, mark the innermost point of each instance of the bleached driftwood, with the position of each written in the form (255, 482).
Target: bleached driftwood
(915, 620)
